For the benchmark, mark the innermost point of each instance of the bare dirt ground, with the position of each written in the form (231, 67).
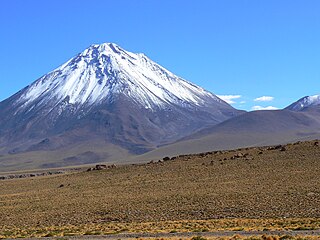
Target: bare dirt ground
(267, 188)
(310, 234)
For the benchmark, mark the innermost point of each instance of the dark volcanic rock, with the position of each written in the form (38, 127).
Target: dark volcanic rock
(101, 167)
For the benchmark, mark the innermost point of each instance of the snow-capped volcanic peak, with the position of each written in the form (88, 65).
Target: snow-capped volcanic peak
(305, 102)
(315, 99)
(102, 71)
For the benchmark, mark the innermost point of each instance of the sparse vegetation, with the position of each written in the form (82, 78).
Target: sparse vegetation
(198, 238)
(194, 193)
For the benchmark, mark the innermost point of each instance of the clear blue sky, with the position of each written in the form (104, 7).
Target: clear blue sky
(251, 48)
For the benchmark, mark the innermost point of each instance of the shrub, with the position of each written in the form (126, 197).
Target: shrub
(198, 238)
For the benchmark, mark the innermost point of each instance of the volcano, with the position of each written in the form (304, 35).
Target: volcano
(107, 97)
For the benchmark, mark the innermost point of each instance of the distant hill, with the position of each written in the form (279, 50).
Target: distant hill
(257, 128)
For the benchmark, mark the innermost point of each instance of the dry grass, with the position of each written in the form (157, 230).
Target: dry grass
(262, 237)
(266, 189)
(70, 231)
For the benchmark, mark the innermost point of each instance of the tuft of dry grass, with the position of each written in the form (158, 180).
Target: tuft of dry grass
(193, 226)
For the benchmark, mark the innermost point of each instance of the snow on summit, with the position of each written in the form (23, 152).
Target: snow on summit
(106, 95)
(102, 71)
(305, 102)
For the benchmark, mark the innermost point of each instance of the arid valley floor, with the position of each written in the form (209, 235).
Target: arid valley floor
(253, 189)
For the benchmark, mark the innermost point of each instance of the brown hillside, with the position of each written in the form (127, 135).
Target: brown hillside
(266, 182)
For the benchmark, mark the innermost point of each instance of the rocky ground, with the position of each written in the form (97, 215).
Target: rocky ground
(276, 187)
(29, 175)
(225, 235)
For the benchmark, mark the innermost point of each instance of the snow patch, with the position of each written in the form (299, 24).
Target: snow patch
(106, 69)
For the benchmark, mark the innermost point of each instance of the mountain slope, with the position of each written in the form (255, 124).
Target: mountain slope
(304, 103)
(257, 128)
(107, 94)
